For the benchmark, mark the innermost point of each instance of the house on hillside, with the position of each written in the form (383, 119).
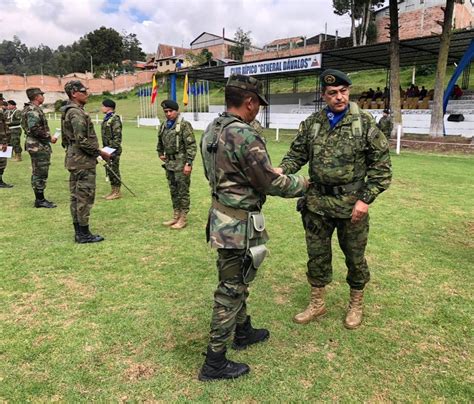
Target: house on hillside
(418, 18)
(286, 47)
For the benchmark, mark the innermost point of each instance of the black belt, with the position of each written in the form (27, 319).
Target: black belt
(335, 190)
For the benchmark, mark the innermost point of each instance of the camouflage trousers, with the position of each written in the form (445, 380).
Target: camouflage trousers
(82, 189)
(3, 165)
(352, 240)
(179, 189)
(40, 162)
(15, 140)
(230, 307)
(114, 164)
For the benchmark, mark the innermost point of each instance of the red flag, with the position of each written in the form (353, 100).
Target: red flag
(154, 90)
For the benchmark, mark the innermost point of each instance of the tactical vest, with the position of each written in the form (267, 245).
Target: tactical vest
(209, 145)
(356, 122)
(177, 130)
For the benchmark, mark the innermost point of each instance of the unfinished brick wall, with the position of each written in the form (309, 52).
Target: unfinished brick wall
(253, 56)
(10, 82)
(423, 22)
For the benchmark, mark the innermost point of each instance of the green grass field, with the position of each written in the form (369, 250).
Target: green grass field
(126, 320)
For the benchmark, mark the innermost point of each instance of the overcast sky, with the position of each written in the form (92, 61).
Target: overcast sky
(174, 22)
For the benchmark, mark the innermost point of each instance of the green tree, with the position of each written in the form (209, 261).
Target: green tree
(244, 42)
(132, 49)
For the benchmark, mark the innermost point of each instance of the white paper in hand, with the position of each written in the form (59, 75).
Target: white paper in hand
(108, 150)
(57, 133)
(7, 154)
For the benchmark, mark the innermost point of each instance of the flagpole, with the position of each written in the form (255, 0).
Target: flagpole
(208, 96)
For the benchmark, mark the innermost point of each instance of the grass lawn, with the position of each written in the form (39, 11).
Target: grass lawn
(126, 320)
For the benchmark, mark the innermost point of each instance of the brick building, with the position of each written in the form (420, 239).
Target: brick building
(418, 18)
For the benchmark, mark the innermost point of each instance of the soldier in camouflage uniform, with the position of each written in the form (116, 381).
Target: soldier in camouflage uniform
(177, 149)
(14, 124)
(38, 145)
(4, 141)
(111, 131)
(82, 149)
(385, 124)
(349, 165)
(240, 174)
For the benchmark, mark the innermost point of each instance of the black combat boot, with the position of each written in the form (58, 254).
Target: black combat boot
(41, 202)
(246, 335)
(85, 236)
(4, 184)
(218, 367)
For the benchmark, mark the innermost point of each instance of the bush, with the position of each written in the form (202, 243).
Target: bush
(107, 93)
(121, 96)
(58, 104)
(425, 70)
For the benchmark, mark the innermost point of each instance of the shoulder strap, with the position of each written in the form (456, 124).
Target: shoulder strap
(178, 130)
(212, 149)
(356, 121)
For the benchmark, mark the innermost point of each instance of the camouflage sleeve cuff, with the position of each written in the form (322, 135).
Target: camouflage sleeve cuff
(367, 197)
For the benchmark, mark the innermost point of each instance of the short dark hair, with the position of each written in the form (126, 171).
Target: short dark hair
(235, 96)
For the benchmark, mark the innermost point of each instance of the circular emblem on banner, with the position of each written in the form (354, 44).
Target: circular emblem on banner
(330, 116)
(329, 79)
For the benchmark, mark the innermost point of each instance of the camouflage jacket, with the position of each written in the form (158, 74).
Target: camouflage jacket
(78, 137)
(35, 126)
(14, 119)
(241, 178)
(339, 156)
(385, 125)
(111, 132)
(4, 131)
(177, 143)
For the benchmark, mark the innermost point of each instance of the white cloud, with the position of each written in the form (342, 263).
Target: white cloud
(55, 22)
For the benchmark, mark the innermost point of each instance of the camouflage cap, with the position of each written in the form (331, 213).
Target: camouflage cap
(74, 85)
(333, 77)
(248, 83)
(33, 91)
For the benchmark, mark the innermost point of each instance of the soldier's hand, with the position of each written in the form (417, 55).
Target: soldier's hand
(3, 147)
(359, 210)
(187, 169)
(162, 157)
(54, 139)
(105, 155)
(278, 170)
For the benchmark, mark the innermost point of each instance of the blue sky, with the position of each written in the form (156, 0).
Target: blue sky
(177, 22)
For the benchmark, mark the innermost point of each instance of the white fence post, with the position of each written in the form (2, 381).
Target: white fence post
(55, 118)
(277, 136)
(97, 119)
(138, 121)
(399, 137)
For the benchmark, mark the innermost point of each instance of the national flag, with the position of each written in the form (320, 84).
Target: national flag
(154, 89)
(185, 90)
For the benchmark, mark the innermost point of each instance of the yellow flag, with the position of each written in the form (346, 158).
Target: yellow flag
(185, 90)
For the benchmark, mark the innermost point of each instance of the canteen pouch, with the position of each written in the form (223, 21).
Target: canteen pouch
(256, 250)
(256, 226)
(252, 261)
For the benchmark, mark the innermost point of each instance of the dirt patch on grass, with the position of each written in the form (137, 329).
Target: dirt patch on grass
(445, 144)
(139, 371)
(77, 288)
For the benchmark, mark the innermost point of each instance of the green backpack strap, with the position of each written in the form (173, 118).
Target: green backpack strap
(356, 120)
(178, 130)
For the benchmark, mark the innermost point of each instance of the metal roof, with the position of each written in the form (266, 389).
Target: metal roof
(418, 51)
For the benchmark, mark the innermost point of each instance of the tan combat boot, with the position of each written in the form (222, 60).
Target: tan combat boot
(17, 157)
(181, 223)
(176, 214)
(354, 312)
(315, 309)
(115, 194)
